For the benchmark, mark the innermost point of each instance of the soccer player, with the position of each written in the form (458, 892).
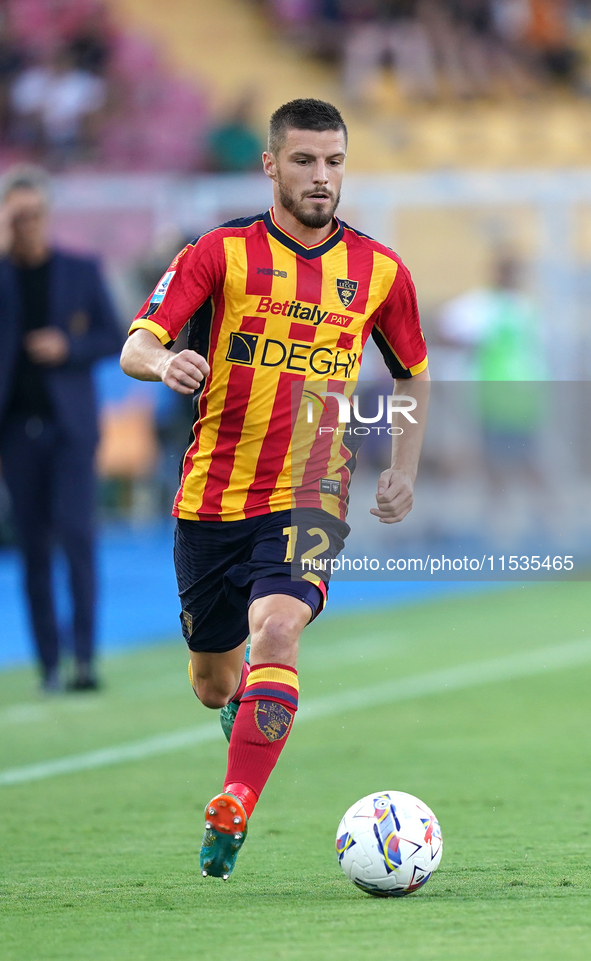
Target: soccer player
(277, 304)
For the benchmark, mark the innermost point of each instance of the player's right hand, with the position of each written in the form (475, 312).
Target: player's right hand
(184, 371)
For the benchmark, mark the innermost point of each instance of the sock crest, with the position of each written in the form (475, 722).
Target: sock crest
(262, 725)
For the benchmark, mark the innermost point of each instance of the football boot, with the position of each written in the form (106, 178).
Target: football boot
(226, 825)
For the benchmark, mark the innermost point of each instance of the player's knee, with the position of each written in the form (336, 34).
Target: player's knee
(280, 631)
(213, 700)
(211, 697)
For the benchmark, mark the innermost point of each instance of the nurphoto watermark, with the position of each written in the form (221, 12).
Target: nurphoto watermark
(502, 492)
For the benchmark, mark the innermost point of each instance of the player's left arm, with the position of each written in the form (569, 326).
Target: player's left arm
(394, 498)
(397, 332)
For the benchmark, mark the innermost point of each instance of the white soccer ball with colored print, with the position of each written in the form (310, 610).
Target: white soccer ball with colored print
(389, 844)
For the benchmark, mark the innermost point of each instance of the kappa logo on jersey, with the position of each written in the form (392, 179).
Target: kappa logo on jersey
(269, 272)
(346, 289)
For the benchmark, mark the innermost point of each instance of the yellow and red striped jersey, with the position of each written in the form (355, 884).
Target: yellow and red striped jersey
(272, 317)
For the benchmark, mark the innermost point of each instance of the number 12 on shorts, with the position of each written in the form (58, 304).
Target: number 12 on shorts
(292, 536)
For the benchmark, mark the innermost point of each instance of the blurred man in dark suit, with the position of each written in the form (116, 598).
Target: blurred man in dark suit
(56, 320)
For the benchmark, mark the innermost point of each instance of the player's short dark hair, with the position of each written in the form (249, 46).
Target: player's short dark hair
(303, 114)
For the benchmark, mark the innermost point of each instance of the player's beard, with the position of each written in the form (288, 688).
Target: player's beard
(308, 218)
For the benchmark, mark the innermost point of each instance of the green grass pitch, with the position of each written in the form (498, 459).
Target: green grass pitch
(101, 865)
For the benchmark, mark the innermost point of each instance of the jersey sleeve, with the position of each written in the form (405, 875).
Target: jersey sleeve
(194, 275)
(397, 329)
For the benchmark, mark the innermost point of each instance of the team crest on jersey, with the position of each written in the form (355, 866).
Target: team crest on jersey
(346, 289)
(272, 719)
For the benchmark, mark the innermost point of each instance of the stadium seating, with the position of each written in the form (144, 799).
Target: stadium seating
(172, 75)
(233, 45)
(232, 48)
(160, 123)
(154, 120)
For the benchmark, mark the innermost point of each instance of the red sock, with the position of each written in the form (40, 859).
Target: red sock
(261, 728)
(243, 679)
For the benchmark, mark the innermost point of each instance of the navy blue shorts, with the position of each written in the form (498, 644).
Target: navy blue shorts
(222, 566)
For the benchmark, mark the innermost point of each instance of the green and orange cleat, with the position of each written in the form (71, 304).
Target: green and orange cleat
(226, 826)
(227, 717)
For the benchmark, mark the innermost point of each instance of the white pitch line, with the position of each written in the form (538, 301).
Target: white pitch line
(135, 751)
(508, 668)
(513, 666)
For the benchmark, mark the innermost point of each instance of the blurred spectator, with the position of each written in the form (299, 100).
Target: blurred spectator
(57, 320)
(12, 61)
(74, 88)
(317, 26)
(515, 61)
(235, 145)
(58, 106)
(462, 48)
(296, 17)
(91, 44)
(543, 31)
(473, 28)
(474, 14)
(496, 328)
(549, 36)
(461, 51)
(388, 28)
(511, 19)
(475, 59)
(131, 139)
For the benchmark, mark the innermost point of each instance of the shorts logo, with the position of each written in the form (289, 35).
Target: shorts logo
(346, 289)
(269, 272)
(272, 719)
(242, 347)
(187, 622)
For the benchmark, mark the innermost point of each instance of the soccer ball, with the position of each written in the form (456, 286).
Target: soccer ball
(389, 844)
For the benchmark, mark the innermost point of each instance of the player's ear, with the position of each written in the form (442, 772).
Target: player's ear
(269, 165)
